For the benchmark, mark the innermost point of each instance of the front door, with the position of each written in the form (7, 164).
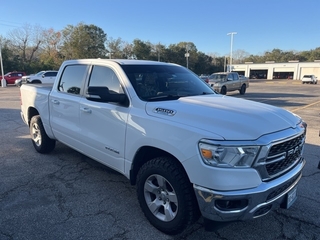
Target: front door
(103, 125)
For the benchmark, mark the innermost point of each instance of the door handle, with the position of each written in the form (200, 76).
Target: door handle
(86, 110)
(54, 101)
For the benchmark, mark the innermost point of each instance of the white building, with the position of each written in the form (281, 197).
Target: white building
(271, 70)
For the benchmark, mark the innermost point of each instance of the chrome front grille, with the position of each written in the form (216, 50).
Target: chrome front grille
(282, 156)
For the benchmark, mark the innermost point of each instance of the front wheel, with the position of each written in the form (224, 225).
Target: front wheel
(243, 89)
(40, 140)
(223, 90)
(166, 196)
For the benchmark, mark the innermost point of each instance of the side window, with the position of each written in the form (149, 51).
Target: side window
(235, 76)
(72, 78)
(105, 77)
(51, 74)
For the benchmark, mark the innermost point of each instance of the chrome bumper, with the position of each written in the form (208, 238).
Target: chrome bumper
(252, 203)
(22, 117)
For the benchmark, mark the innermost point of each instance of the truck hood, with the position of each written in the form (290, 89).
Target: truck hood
(231, 118)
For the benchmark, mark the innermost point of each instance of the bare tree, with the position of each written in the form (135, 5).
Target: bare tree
(239, 56)
(115, 48)
(26, 41)
(50, 49)
(214, 56)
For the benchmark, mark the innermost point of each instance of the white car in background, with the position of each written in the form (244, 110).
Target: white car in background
(43, 77)
(309, 79)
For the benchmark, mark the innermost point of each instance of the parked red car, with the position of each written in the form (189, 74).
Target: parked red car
(11, 77)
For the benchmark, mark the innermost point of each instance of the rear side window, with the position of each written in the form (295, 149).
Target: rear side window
(51, 74)
(72, 79)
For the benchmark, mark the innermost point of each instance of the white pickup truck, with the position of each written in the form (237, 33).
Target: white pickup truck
(189, 150)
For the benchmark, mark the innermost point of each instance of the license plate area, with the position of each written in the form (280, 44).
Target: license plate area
(291, 197)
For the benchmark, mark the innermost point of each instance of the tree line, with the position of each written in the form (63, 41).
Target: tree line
(32, 49)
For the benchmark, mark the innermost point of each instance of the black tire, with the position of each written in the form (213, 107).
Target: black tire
(223, 90)
(40, 140)
(243, 89)
(166, 196)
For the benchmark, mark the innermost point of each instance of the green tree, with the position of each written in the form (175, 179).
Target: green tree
(83, 41)
(7, 57)
(176, 54)
(141, 50)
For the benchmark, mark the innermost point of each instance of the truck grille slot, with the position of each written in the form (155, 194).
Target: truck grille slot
(279, 166)
(282, 156)
(281, 189)
(285, 146)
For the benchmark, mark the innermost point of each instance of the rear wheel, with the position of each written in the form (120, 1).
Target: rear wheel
(40, 140)
(223, 90)
(166, 196)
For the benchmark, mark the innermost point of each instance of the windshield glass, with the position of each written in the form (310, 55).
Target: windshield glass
(165, 82)
(217, 76)
(39, 73)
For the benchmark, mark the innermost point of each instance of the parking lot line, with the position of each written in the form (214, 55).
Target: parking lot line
(306, 106)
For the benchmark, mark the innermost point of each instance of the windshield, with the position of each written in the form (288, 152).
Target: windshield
(165, 82)
(39, 73)
(217, 76)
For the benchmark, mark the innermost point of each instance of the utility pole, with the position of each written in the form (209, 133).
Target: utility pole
(230, 65)
(3, 81)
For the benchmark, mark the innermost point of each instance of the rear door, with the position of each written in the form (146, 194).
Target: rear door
(49, 77)
(64, 104)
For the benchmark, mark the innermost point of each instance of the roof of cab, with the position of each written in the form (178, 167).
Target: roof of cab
(119, 61)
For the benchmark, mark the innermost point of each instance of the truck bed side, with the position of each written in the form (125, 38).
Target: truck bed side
(34, 101)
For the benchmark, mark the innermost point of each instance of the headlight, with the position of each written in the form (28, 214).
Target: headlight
(228, 156)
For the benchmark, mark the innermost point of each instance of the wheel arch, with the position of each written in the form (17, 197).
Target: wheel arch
(145, 154)
(36, 81)
(31, 113)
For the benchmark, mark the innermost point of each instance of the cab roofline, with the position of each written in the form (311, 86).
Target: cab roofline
(119, 61)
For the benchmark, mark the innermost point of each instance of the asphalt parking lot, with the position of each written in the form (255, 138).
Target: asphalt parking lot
(65, 195)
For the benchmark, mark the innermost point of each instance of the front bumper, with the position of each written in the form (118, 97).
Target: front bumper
(250, 203)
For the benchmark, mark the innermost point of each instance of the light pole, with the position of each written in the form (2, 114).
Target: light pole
(230, 65)
(3, 81)
(187, 55)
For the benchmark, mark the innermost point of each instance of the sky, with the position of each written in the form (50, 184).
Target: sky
(260, 25)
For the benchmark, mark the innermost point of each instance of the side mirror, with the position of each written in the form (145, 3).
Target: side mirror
(229, 79)
(102, 94)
